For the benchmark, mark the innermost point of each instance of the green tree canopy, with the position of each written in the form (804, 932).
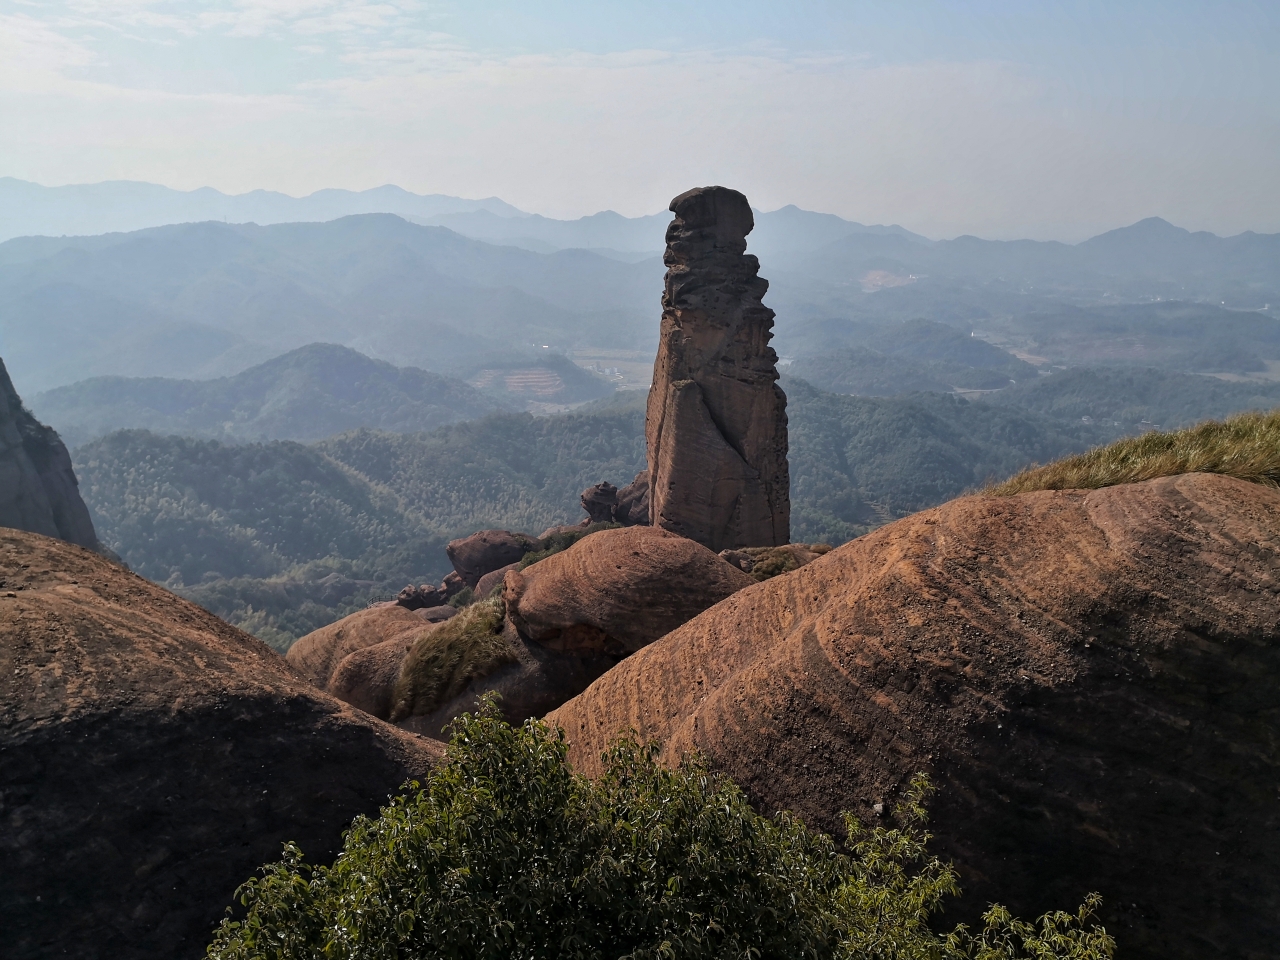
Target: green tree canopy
(506, 853)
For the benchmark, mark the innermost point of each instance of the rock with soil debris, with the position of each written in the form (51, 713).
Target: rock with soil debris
(765, 562)
(716, 423)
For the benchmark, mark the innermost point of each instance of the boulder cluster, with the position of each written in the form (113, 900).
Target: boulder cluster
(585, 598)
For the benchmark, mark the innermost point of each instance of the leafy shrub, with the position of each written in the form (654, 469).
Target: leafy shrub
(559, 542)
(1246, 446)
(442, 662)
(506, 853)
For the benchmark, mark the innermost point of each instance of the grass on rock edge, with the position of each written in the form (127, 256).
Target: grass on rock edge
(1246, 446)
(442, 662)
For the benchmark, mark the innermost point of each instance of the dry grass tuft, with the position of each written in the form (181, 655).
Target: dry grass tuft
(441, 663)
(1245, 446)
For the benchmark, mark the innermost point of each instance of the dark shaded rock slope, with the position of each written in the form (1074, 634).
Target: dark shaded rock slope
(152, 757)
(38, 489)
(1092, 679)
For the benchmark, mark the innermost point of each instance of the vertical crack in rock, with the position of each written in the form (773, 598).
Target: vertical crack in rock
(716, 424)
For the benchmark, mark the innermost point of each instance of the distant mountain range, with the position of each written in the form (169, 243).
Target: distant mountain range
(472, 285)
(210, 299)
(120, 206)
(1150, 259)
(610, 234)
(307, 394)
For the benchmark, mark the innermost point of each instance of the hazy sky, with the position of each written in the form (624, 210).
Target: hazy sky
(1000, 119)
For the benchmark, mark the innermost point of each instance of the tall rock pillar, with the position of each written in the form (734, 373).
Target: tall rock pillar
(716, 424)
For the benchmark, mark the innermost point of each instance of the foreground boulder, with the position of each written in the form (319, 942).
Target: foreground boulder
(1092, 679)
(716, 422)
(617, 590)
(152, 757)
(38, 488)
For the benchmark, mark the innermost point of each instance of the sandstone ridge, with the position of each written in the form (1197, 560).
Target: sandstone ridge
(1090, 678)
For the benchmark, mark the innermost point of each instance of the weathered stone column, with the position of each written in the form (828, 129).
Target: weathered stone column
(716, 424)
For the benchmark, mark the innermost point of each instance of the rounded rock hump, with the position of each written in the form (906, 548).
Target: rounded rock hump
(1089, 677)
(488, 550)
(617, 591)
(316, 656)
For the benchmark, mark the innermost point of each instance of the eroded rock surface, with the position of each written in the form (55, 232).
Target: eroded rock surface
(600, 501)
(632, 508)
(1092, 680)
(152, 758)
(617, 590)
(716, 423)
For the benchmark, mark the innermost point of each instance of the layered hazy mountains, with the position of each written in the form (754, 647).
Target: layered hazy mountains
(460, 287)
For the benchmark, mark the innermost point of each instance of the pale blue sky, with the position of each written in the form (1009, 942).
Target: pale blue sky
(1001, 119)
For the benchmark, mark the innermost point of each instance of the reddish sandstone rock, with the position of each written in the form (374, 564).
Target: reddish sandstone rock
(617, 590)
(492, 579)
(436, 614)
(716, 423)
(632, 508)
(366, 678)
(599, 502)
(1090, 679)
(318, 654)
(474, 556)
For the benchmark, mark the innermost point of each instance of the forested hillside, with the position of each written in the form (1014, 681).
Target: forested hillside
(307, 394)
(1136, 398)
(281, 538)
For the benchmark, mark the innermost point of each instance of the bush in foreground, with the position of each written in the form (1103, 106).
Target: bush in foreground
(1246, 446)
(506, 853)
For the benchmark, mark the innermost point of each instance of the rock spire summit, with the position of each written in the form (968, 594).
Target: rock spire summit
(716, 423)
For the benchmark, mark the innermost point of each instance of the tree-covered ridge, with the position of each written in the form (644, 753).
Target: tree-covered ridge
(1133, 398)
(281, 538)
(307, 394)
